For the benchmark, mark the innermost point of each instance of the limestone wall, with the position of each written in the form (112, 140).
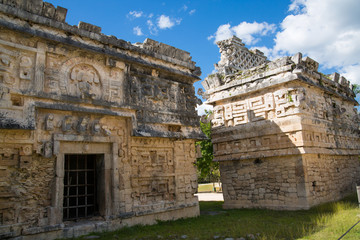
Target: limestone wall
(26, 182)
(273, 182)
(330, 177)
(288, 182)
(73, 91)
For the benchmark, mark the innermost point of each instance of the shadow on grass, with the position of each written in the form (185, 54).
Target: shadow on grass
(262, 224)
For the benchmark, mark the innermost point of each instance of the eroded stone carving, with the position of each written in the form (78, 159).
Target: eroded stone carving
(235, 57)
(49, 122)
(129, 109)
(7, 67)
(47, 149)
(85, 82)
(25, 68)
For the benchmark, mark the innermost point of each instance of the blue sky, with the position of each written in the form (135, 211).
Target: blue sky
(326, 30)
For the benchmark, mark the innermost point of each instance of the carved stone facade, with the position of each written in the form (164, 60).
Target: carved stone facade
(121, 117)
(285, 135)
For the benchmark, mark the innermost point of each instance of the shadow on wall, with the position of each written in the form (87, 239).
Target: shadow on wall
(261, 165)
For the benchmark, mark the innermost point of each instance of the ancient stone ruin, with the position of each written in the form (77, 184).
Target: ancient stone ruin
(286, 136)
(92, 127)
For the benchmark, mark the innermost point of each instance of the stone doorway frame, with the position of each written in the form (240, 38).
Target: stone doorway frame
(75, 144)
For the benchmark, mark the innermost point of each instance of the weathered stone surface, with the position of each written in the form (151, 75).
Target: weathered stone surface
(131, 106)
(89, 27)
(286, 136)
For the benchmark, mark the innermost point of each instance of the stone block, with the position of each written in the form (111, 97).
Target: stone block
(297, 58)
(89, 27)
(35, 6)
(311, 64)
(83, 229)
(48, 10)
(60, 14)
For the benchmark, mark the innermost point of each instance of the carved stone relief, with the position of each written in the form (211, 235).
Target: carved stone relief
(268, 106)
(147, 160)
(87, 126)
(85, 78)
(7, 66)
(85, 82)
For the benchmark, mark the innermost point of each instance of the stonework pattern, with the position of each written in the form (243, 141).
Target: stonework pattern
(286, 136)
(72, 91)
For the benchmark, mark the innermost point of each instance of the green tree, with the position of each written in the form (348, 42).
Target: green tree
(356, 88)
(208, 171)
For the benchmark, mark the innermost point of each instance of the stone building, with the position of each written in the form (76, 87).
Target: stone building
(91, 127)
(286, 136)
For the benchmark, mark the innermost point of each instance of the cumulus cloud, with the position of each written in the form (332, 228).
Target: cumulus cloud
(326, 30)
(295, 6)
(248, 32)
(223, 32)
(192, 11)
(137, 31)
(165, 22)
(351, 72)
(201, 108)
(135, 14)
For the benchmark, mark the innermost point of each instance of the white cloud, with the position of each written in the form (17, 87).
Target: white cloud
(246, 31)
(296, 6)
(150, 15)
(135, 14)
(165, 22)
(184, 8)
(223, 32)
(267, 52)
(192, 11)
(352, 73)
(326, 30)
(152, 28)
(137, 31)
(201, 108)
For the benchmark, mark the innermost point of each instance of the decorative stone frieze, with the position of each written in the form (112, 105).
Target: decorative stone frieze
(286, 136)
(79, 109)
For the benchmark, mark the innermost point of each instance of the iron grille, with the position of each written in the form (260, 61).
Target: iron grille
(79, 186)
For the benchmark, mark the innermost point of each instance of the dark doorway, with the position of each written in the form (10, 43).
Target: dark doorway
(81, 178)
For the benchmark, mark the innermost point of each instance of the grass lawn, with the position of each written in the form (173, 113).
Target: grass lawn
(327, 221)
(208, 187)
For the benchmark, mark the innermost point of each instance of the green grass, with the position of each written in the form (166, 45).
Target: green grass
(206, 187)
(327, 221)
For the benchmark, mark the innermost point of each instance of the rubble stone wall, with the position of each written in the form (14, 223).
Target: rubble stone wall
(288, 182)
(330, 177)
(272, 182)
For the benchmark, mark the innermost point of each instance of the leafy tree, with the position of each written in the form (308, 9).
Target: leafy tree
(208, 171)
(356, 88)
